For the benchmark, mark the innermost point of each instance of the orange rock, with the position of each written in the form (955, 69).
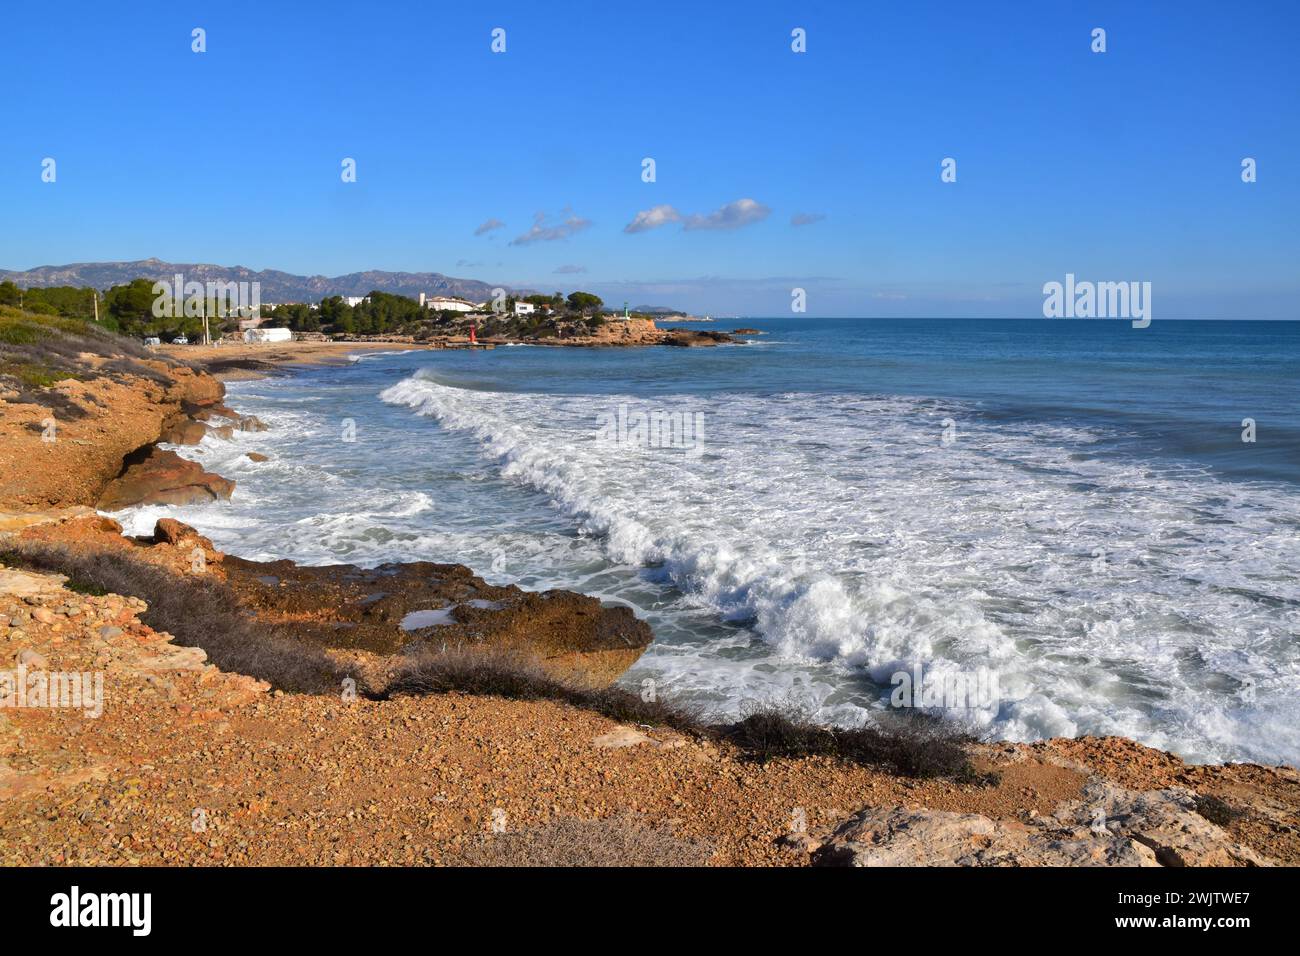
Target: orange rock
(188, 432)
(164, 477)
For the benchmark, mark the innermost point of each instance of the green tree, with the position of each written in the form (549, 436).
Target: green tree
(584, 302)
(131, 306)
(337, 314)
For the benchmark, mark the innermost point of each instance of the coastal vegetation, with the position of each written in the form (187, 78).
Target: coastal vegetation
(129, 309)
(124, 308)
(197, 612)
(67, 301)
(382, 313)
(38, 350)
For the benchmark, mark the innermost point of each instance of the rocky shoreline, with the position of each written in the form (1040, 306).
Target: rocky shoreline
(205, 752)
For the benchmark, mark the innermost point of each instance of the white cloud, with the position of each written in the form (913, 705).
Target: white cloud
(570, 270)
(540, 232)
(488, 226)
(653, 218)
(734, 215)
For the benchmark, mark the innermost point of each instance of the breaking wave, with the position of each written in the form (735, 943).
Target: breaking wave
(817, 544)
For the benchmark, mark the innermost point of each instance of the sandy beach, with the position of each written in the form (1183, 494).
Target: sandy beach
(242, 361)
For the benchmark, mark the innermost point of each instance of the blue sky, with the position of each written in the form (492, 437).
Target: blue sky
(1116, 166)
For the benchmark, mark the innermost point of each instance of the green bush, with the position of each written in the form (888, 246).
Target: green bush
(19, 332)
(35, 376)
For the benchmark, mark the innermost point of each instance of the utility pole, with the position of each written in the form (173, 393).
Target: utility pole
(94, 297)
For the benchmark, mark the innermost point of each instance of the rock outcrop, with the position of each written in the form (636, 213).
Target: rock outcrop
(62, 445)
(41, 621)
(164, 478)
(187, 432)
(1108, 826)
(401, 608)
(377, 617)
(693, 338)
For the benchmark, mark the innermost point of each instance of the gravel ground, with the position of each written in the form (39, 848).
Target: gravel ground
(188, 766)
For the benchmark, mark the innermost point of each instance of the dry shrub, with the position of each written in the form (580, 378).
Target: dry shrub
(909, 742)
(197, 612)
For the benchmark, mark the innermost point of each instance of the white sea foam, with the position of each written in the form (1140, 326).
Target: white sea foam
(822, 543)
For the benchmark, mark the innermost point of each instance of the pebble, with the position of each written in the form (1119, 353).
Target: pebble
(32, 660)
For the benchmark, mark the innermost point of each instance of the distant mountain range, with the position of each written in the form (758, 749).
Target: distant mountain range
(276, 286)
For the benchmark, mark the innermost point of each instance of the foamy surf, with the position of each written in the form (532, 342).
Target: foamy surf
(821, 544)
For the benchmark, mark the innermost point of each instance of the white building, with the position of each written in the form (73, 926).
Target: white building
(439, 303)
(267, 335)
(354, 300)
(524, 308)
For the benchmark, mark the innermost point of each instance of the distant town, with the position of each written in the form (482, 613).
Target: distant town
(160, 312)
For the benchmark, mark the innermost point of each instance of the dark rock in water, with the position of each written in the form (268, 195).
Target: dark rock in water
(163, 478)
(691, 338)
(746, 332)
